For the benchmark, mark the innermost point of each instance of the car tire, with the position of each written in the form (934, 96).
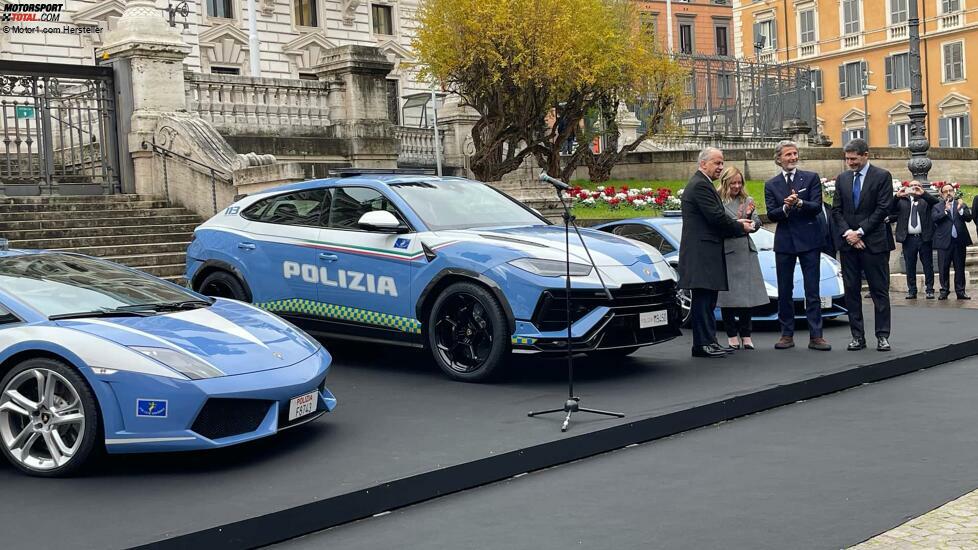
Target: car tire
(467, 332)
(221, 284)
(613, 353)
(27, 436)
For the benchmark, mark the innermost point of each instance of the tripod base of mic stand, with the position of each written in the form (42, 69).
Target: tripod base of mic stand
(571, 406)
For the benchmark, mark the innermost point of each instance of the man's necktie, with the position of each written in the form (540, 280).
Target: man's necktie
(954, 230)
(914, 219)
(790, 178)
(856, 188)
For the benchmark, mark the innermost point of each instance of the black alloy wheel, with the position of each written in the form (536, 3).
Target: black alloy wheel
(467, 332)
(221, 284)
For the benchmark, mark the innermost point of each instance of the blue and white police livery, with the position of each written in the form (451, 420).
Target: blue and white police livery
(95, 354)
(446, 263)
(664, 234)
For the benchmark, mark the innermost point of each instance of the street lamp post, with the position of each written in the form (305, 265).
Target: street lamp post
(918, 164)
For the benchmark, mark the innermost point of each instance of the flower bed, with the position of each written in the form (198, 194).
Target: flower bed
(623, 197)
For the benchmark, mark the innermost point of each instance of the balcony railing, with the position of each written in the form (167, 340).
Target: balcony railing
(950, 20)
(852, 41)
(231, 101)
(769, 56)
(898, 32)
(807, 50)
(417, 145)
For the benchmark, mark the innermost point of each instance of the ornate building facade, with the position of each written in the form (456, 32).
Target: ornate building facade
(859, 51)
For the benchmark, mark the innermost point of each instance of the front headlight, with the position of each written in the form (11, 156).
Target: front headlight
(186, 364)
(551, 268)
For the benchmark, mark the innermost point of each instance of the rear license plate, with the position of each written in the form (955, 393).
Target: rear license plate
(303, 405)
(653, 319)
(826, 302)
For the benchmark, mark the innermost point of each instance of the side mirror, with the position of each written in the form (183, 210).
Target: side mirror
(382, 221)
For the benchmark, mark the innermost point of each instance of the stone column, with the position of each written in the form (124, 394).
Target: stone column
(797, 130)
(457, 120)
(152, 53)
(357, 77)
(628, 125)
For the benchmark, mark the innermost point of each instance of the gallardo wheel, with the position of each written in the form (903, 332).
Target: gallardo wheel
(467, 332)
(49, 419)
(221, 284)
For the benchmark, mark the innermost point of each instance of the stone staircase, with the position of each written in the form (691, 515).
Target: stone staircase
(140, 231)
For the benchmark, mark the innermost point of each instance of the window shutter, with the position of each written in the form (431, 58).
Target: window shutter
(845, 137)
(842, 81)
(966, 131)
(893, 132)
(948, 62)
(774, 35)
(889, 73)
(944, 129)
(757, 33)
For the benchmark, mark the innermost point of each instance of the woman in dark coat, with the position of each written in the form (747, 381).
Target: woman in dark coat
(745, 283)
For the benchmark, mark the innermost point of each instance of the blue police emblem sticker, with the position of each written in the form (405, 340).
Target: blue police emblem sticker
(151, 408)
(402, 243)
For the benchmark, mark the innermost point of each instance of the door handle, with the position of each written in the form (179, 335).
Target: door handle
(328, 257)
(246, 246)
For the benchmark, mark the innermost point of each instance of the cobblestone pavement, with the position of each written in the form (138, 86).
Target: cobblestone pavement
(953, 526)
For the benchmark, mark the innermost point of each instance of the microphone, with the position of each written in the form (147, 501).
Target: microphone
(554, 181)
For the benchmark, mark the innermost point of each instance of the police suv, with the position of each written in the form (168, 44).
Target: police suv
(444, 263)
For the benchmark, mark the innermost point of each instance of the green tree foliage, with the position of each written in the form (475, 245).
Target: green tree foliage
(514, 61)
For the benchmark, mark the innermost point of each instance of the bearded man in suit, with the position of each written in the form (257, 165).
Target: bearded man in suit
(702, 266)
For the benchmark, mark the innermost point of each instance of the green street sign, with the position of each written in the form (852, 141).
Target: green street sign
(24, 111)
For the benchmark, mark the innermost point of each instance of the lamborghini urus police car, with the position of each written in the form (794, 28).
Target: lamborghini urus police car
(445, 263)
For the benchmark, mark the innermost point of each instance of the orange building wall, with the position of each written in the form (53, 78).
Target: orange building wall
(876, 44)
(704, 13)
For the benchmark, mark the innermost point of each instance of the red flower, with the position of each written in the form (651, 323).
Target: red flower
(613, 202)
(906, 184)
(631, 199)
(660, 200)
(624, 189)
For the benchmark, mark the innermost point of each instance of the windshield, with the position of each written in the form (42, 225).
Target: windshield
(763, 239)
(59, 284)
(463, 205)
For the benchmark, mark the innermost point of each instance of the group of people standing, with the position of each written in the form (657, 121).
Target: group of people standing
(718, 261)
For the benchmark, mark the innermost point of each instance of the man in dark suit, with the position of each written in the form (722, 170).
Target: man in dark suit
(702, 267)
(863, 195)
(951, 239)
(915, 229)
(794, 201)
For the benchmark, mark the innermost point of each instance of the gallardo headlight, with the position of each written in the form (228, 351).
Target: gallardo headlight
(551, 268)
(184, 363)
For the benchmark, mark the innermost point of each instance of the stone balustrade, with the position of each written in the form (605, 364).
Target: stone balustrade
(417, 145)
(235, 104)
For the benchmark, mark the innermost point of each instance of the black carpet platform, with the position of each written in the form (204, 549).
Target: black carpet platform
(402, 433)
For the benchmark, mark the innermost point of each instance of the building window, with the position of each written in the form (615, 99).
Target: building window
(950, 6)
(898, 72)
(851, 134)
(806, 20)
(219, 8)
(850, 17)
(721, 40)
(816, 75)
(724, 87)
(955, 131)
(225, 70)
(383, 19)
(686, 38)
(765, 35)
(953, 61)
(851, 77)
(648, 22)
(393, 102)
(899, 135)
(898, 12)
(306, 14)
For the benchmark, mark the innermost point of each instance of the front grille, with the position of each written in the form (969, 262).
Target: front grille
(227, 417)
(550, 314)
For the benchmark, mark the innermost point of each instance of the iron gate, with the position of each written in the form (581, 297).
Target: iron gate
(59, 130)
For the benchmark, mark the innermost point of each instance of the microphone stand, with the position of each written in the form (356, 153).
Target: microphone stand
(573, 403)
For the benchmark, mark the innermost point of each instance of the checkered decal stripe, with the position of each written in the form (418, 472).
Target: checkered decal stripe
(522, 340)
(310, 307)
